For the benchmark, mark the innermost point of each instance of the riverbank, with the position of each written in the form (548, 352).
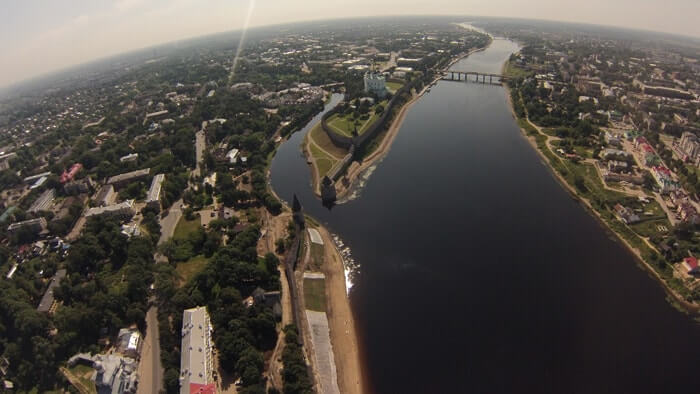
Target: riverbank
(349, 181)
(341, 321)
(532, 140)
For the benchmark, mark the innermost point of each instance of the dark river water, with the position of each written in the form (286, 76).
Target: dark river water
(480, 274)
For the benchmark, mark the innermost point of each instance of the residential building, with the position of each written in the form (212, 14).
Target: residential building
(662, 175)
(37, 176)
(129, 158)
(128, 177)
(121, 210)
(37, 225)
(617, 166)
(84, 185)
(625, 214)
(114, 374)
(196, 358)
(689, 144)
(129, 343)
(153, 197)
(612, 153)
(39, 182)
(691, 265)
(43, 202)
(232, 156)
(68, 176)
(48, 303)
(688, 213)
(105, 196)
(617, 177)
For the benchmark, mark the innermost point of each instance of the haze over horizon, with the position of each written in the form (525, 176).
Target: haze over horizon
(38, 37)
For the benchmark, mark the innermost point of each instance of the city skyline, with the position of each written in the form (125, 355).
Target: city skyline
(75, 32)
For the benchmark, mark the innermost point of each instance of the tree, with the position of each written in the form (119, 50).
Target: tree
(280, 246)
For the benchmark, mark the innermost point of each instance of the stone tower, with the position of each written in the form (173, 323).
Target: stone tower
(328, 195)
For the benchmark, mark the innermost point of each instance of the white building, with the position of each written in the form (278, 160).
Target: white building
(124, 209)
(130, 157)
(196, 359)
(690, 145)
(232, 156)
(153, 197)
(375, 83)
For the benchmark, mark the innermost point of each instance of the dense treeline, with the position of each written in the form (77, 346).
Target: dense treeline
(241, 333)
(295, 372)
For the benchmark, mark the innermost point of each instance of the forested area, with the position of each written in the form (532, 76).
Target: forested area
(241, 333)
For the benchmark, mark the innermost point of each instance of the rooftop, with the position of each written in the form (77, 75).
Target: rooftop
(129, 175)
(48, 299)
(196, 363)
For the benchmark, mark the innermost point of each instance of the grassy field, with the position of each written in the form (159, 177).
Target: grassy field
(393, 87)
(185, 227)
(316, 257)
(513, 71)
(188, 269)
(321, 139)
(345, 123)
(83, 372)
(315, 294)
(324, 163)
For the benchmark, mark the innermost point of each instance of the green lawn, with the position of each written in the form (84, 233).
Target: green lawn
(315, 294)
(317, 253)
(324, 162)
(83, 372)
(185, 227)
(321, 139)
(188, 269)
(513, 71)
(393, 87)
(345, 123)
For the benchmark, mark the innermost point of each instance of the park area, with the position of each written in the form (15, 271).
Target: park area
(347, 123)
(393, 87)
(315, 294)
(325, 154)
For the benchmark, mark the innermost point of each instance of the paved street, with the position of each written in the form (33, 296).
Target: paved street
(200, 143)
(168, 223)
(150, 369)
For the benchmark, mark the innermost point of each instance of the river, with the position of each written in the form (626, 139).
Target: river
(479, 273)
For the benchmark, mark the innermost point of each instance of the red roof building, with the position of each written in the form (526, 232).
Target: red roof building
(691, 264)
(68, 176)
(196, 388)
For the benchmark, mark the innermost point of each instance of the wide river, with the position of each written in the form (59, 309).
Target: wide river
(479, 273)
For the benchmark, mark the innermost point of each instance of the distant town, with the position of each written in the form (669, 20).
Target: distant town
(619, 123)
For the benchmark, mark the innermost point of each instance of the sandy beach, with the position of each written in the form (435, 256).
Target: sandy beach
(341, 321)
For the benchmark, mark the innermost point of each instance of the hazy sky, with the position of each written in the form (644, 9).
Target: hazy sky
(37, 36)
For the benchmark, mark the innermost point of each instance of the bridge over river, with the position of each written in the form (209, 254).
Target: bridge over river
(466, 76)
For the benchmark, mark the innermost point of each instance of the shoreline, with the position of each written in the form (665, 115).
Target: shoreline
(356, 169)
(681, 302)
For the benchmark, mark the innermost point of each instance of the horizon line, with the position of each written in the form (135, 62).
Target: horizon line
(47, 74)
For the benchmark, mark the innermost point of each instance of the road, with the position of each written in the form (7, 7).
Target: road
(150, 369)
(200, 143)
(391, 63)
(168, 223)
